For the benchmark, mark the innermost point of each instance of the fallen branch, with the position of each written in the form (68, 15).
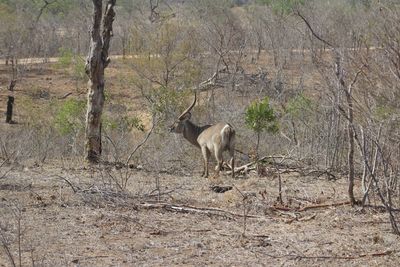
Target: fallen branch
(351, 257)
(317, 206)
(65, 96)
(308, 218)
(210, 82)
(243, 167)
(193, 209)
(69, 183)
(153, 194)
(246, 166)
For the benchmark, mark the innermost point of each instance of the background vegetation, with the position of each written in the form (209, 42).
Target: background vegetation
(330, 71)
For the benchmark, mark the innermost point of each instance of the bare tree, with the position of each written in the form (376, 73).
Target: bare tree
(96, 62)
(347, 88)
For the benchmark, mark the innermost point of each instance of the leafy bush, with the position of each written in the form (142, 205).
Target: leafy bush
(78, 69)
(75, 64)
(299, 105)
(123, 123)
(70, 116)
(65, 58)
(260, 117)
(167, 101)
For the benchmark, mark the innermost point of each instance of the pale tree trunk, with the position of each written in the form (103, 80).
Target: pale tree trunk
(350, 123)
(350, 155)
(96, 62)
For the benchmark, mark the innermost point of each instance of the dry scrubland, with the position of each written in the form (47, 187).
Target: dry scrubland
(70, 214)
(97, 227)
(328, 69)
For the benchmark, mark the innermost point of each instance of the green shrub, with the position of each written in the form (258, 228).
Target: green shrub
(299, 106)
(65, 58)
(70, 116)
(74, 64)
(123, 123)
(78, 71)
(260, 117)
(167, 101)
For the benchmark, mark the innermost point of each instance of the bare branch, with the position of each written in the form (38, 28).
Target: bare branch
(141, 143)
(316, 35)
(46, 4)
(193, 209)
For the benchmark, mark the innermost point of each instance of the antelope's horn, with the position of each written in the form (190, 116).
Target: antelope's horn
(189, 108)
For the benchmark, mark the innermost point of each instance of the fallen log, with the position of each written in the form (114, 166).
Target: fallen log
(193, 209)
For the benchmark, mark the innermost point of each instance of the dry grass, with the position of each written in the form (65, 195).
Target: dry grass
(98, 226)
(101, 226)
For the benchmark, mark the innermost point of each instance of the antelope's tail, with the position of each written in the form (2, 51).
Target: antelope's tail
(228, 136)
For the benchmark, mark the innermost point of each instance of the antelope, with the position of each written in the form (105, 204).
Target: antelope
(214, 139)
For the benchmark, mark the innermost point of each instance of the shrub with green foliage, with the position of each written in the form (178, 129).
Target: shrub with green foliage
(78, 69)
(166, 100)
(299, 105)
(75, 64)
(65, 58)
(260, 117)
(70, 117)
(123, 123)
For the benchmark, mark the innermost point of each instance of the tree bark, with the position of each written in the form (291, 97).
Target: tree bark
(350, 121)
(96, 62)
(9, 111)
(10, 101)
(350, 155)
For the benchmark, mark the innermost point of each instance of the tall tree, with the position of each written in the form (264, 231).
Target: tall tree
(96, 62)
(347, 88)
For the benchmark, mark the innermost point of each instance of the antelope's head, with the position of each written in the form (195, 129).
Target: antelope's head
(178, 125)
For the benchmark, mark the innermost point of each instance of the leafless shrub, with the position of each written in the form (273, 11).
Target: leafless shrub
(11, 235)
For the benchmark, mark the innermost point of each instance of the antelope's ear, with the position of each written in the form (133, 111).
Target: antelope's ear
(187, 116)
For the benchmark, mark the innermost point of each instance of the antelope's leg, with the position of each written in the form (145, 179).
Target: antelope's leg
(218, 157)
(232, 154)
(206, 154)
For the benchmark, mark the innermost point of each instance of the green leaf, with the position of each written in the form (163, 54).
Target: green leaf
(260, 116)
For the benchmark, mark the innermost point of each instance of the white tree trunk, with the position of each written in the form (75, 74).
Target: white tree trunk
(96, 62)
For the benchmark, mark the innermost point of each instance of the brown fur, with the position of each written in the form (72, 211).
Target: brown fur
(211, 139)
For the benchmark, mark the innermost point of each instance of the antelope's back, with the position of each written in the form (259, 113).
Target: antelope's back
(220, 134)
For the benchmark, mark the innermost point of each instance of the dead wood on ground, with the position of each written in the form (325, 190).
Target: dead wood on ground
(193, 209)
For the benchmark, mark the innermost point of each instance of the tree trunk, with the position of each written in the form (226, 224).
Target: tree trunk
(9, 111)
(350, 121)
(96, 62)
(10, 101)
(257, 144)
(350, 155)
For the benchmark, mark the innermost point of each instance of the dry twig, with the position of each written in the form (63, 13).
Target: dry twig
(193, 209)
(317, 206)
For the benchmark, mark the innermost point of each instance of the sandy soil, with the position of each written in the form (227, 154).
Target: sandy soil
(100, 226)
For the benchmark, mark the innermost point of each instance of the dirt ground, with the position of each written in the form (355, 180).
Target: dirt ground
(100, 226)
(71, 215)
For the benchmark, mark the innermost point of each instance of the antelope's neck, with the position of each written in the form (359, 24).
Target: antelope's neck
(191, 132)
